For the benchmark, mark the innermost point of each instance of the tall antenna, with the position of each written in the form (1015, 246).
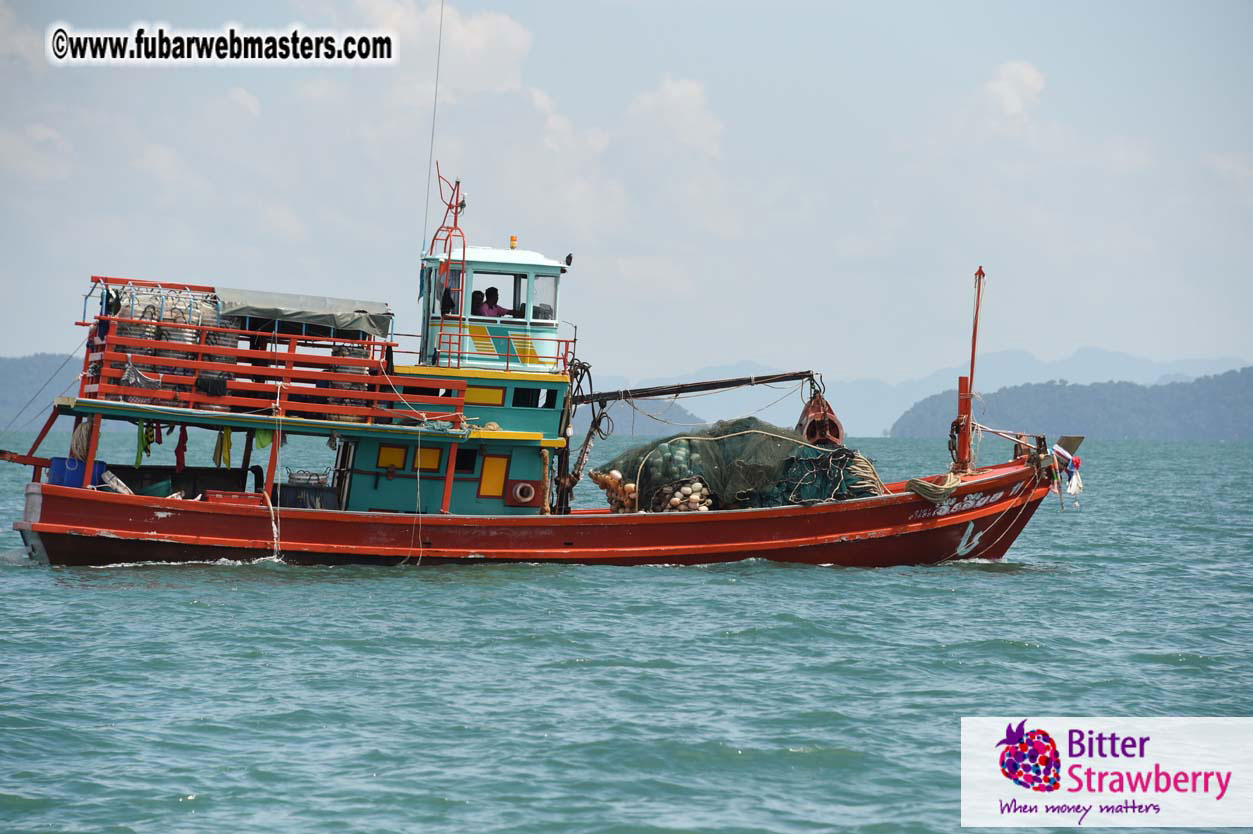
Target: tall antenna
(430, 154)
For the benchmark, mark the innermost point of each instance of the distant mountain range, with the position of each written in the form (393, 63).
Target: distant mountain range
(22, 376)
(868, 407)
(648, 419)
(1210, 408)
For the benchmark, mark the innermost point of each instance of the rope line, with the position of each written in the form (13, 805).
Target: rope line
(630, 401)
(935, 493)
(53, 376)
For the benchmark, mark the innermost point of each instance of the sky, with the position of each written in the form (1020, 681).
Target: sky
(806, 185)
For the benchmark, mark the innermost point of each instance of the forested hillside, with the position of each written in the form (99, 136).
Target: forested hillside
(1218, 407)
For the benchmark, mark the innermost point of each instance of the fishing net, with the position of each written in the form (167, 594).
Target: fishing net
(734, 464)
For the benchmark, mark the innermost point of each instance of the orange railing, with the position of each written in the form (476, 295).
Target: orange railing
(278, 373)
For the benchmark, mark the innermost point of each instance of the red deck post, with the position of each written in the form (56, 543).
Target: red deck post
(52, 418)
(272, 469)
(82, 377)
(964, 428)
(449, 468)
(90, 463)
(37, 475)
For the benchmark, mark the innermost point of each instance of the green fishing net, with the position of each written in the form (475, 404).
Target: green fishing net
(746, 463)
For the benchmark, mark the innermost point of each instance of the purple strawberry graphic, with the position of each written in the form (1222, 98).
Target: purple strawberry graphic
(1030, 759)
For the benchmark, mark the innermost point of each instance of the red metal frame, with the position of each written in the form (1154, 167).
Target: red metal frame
(39, 463)
(294, 380)
(111, 281)
(94, 443)
(449, 234)
(271, 469)
(449, 471)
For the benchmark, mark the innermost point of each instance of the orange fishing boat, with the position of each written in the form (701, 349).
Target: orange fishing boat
(457, 451)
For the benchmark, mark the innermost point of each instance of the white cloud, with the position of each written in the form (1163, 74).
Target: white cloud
(560, 133)
(43, 133)
(680, 109)
(169, 168)
(1128, 156)
(482, 52)
(672, 133)
(246, 100)
(653, 276)
(284, 222)
(38, 152)
(18, 40)
(1236, 169)
(1014, 90)
(1236, 166)
(319, 89)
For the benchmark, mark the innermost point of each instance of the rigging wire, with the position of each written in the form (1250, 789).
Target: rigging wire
(430, 155)
(51, 377)
(630, 401)
(416, 527)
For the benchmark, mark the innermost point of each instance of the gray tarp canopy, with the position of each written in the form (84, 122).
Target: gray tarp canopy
(373, 317)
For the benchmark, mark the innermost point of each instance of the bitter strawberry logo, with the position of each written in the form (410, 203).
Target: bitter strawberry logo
(1030, 758)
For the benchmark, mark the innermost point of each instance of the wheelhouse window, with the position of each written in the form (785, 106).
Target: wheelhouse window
(544, 298)
(534, 398)
(445, 290)
(507, 291)
(467, 460)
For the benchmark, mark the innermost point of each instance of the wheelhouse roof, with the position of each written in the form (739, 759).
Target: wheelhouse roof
(512, 257)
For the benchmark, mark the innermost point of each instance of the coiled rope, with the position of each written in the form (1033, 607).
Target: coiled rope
(935, 493)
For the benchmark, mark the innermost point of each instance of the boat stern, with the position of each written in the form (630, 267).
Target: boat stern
(30, 515)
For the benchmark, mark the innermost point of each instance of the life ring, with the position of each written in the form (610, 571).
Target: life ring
(523, 493)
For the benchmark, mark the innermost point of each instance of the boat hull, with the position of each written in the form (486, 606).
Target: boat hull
(67, 526)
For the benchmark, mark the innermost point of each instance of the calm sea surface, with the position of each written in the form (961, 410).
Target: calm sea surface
(530, 698)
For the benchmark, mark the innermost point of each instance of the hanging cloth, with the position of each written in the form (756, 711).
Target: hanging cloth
(222, 449)
(264, 438)
(142, 446)
(180, 451)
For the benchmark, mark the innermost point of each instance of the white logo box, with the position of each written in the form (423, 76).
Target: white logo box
(1114, 772)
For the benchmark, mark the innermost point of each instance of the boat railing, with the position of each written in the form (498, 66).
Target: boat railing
(314, 377)
(511, 350)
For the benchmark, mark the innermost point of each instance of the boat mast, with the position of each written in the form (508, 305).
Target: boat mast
(974, 331)
(964, 424)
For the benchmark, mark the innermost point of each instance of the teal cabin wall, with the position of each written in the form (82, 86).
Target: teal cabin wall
(474, 483)
(516, 412)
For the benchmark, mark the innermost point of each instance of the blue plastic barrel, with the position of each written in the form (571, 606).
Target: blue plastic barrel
(69, 472)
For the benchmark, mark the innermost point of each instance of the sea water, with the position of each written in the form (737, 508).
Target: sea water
(541, 698)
